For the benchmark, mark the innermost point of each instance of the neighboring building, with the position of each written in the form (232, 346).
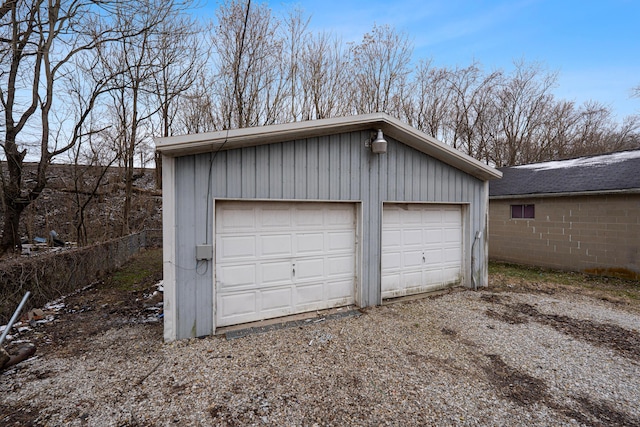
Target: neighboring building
(580, 215)
(277, 220)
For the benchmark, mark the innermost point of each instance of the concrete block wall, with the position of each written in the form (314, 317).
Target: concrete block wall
(593, 234)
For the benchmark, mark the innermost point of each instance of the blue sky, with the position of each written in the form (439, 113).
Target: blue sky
(594, 45)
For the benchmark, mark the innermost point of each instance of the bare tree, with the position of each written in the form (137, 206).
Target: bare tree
(428, 107)
(559, 131)
(380, 66)
(324, 72)
(180, 55)
(146, 81)
(473, 98)
(91, 162)
(196, 111)
(596, 132)
(294, 39)
(39, 42)
(130, 58)
(250, 88)
(524, 103)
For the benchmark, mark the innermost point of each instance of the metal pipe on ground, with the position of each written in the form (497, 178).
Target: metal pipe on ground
(14, 317)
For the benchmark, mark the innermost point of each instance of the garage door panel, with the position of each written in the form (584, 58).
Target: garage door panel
(339, 290)
(237, 247)
(310, 269)
(273, 273)
(412, 259)
(451, 235)
(431, 215)
(340, 217)
(288, 258)
(412, 278)
(308, 217)
(393, 237)
(429, 253)
(340, 266)
(273, 299)
(272, 218)
(434, 276)
(432, 236)
(341, 241)
(240, 219)
(390, 282)
(309, 243)
(309, 294)
(275, 245)
(411, 236)
(391, 261)
(450, 274)
(234, 276)
(392, 218)
(409, 217)
(238, 304)
(452, 255)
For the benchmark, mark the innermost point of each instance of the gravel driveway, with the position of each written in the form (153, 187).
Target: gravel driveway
(462, 358)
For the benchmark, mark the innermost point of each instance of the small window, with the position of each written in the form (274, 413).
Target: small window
(523, 211)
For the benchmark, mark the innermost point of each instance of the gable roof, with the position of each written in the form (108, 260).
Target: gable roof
(608, 173)
(177, 146)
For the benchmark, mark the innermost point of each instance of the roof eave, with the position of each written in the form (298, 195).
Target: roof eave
(436, 149)
(567, 194)
(247, 137)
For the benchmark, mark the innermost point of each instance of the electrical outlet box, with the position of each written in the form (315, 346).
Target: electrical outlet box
(204, 252)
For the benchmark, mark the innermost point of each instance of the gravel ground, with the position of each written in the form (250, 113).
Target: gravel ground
(462, 358)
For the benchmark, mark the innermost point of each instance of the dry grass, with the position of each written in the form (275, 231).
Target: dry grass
(517, 278)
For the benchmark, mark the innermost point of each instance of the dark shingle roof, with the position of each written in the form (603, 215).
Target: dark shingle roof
(608, 172)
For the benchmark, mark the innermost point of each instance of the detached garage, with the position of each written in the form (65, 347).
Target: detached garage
(267, 222)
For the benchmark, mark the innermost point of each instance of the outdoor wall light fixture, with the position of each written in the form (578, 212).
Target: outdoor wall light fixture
(379, 145)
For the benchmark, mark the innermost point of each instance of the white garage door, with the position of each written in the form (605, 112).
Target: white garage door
(278, 258)
(421, 248)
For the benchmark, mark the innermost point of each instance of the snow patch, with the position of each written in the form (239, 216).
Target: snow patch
(603, 160)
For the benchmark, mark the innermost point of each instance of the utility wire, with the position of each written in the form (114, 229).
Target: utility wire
(234, 100)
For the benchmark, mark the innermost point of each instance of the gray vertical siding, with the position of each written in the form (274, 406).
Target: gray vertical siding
(337, 167)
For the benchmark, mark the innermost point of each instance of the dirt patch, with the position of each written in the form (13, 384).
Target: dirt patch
(622, 340)
(450, 332)
(22, 416)
(90, 313)
(493, 298)
(255, 409)
(525, 390)
(517, 386)
(96, 309)
(508, 316)
(604, 412)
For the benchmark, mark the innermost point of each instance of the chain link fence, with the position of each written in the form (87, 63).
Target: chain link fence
(50, 276)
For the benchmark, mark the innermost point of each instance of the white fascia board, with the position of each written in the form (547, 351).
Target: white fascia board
(437, 149)
(247, 137)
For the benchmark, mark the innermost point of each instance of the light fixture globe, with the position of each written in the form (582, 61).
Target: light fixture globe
(379, 145)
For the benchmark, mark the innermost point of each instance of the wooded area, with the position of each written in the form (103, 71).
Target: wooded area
(91, 82)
